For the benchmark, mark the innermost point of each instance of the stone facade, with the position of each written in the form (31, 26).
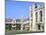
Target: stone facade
(37, 17)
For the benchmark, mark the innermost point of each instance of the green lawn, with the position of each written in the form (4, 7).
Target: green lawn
(10, 32)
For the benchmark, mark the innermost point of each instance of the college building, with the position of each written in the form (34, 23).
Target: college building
(35, 21)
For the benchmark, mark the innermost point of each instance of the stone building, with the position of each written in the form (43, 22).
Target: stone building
(37, 17)
(35, 22)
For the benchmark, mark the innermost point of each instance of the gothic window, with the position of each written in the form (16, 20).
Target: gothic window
(40, 15)
(36, 16)
(38, 26)
(43, 27)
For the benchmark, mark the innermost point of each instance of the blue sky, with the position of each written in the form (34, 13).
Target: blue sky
(16, 9)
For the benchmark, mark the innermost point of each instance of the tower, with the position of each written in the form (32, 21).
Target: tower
(36, 16)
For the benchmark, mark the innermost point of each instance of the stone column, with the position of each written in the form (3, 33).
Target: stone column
(34, 22)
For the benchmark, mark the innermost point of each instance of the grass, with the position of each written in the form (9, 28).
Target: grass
(10, 32)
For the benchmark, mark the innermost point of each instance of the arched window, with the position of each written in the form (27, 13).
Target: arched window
(39, 26)
(36, 16)
(40, 15)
